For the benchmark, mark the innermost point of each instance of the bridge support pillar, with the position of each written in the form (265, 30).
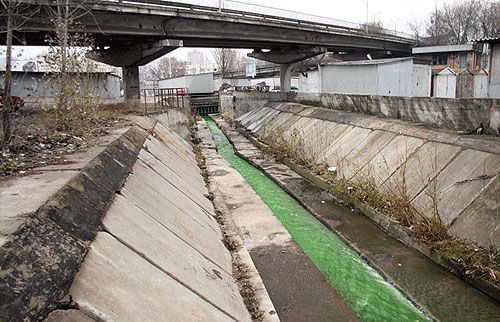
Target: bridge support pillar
(129, 58)
(131, 83)
(286, 57)
(286, 78)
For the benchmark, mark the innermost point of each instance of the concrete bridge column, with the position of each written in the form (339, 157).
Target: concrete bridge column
(129, 58)
(131, 83)
(286, 57)
(286, 78)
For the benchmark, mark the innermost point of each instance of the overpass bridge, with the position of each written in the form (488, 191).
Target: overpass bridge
(132, 33)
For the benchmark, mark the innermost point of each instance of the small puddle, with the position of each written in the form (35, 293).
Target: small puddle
(365, 291)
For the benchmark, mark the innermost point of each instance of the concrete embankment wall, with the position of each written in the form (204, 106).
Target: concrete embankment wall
(132, 237)
(456, 175)
(458, 114)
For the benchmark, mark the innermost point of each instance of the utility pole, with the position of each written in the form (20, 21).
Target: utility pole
(367, 16)
(8, 76)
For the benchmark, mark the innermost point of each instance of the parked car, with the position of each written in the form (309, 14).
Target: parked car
(277, 89)
(15, 101)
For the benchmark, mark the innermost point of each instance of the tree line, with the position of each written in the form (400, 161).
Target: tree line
(459, 23)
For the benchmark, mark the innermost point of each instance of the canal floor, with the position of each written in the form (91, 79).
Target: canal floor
(298, 290)
(444, 295)
(365, 291)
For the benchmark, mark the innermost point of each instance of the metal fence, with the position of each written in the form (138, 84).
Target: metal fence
(205, 105)
(165, 98)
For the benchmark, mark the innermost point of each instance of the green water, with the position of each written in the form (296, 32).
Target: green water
(365, 291)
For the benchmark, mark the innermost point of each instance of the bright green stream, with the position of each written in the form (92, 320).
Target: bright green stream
(365, 291)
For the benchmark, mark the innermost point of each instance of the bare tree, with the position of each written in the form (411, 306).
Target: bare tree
(373, 27)
(64, 17)
(226, 60)
(417, 27)
(16, 15)
(490, 19)
(166, 67)
(463, 22)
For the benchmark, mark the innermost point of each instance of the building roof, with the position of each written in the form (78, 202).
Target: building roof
(371, 62)
(442, 49)
(491, 40)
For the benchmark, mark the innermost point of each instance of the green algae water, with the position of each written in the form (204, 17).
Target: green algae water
(365, 291)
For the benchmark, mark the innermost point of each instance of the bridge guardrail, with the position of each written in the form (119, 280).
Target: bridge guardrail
(269, 13)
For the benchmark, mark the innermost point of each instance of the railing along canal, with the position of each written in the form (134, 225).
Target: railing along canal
(165, 98)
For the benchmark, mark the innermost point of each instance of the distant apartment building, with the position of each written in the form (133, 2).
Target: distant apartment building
(195, 57)
(198, 64)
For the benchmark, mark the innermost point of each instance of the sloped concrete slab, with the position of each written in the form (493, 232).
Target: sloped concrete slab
(249, 117)
(116, 284)
(175, 196)
(257, 119)
(459, 184)
(171, 117)
(280, 123)
(420, 169)
(187, 180)
(353, 136)
(478, 222)
(271, 113)
(391, 157)
(172, 139)
(170, 154)
(363, 154)
(186, 226)
(321, 142)
(174, 255)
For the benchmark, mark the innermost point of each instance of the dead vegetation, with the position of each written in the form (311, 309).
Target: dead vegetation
(42, 136)
(241, 272)
(465, 257)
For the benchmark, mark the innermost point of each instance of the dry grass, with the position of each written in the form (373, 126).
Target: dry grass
(474, 261)
(471, 259)
(42, 136)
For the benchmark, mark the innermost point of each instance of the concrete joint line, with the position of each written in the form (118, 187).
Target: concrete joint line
(437, 174)
(173, 205)
(206, 212)
(176, 235)
(471, 202)
(404, 162)
(143, 256)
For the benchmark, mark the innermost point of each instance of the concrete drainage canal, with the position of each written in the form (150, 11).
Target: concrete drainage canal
(365, 291)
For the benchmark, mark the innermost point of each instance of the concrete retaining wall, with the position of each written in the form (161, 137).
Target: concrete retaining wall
(458, 114)
(234, 104)
(459, 174)
(131, 237)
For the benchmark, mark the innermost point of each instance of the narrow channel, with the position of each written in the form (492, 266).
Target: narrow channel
(365, 291)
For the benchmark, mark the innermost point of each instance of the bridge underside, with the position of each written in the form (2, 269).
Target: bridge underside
(131, 35)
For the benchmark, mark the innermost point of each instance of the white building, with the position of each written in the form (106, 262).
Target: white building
(494, 88)
(387, 77)
(33, 77)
